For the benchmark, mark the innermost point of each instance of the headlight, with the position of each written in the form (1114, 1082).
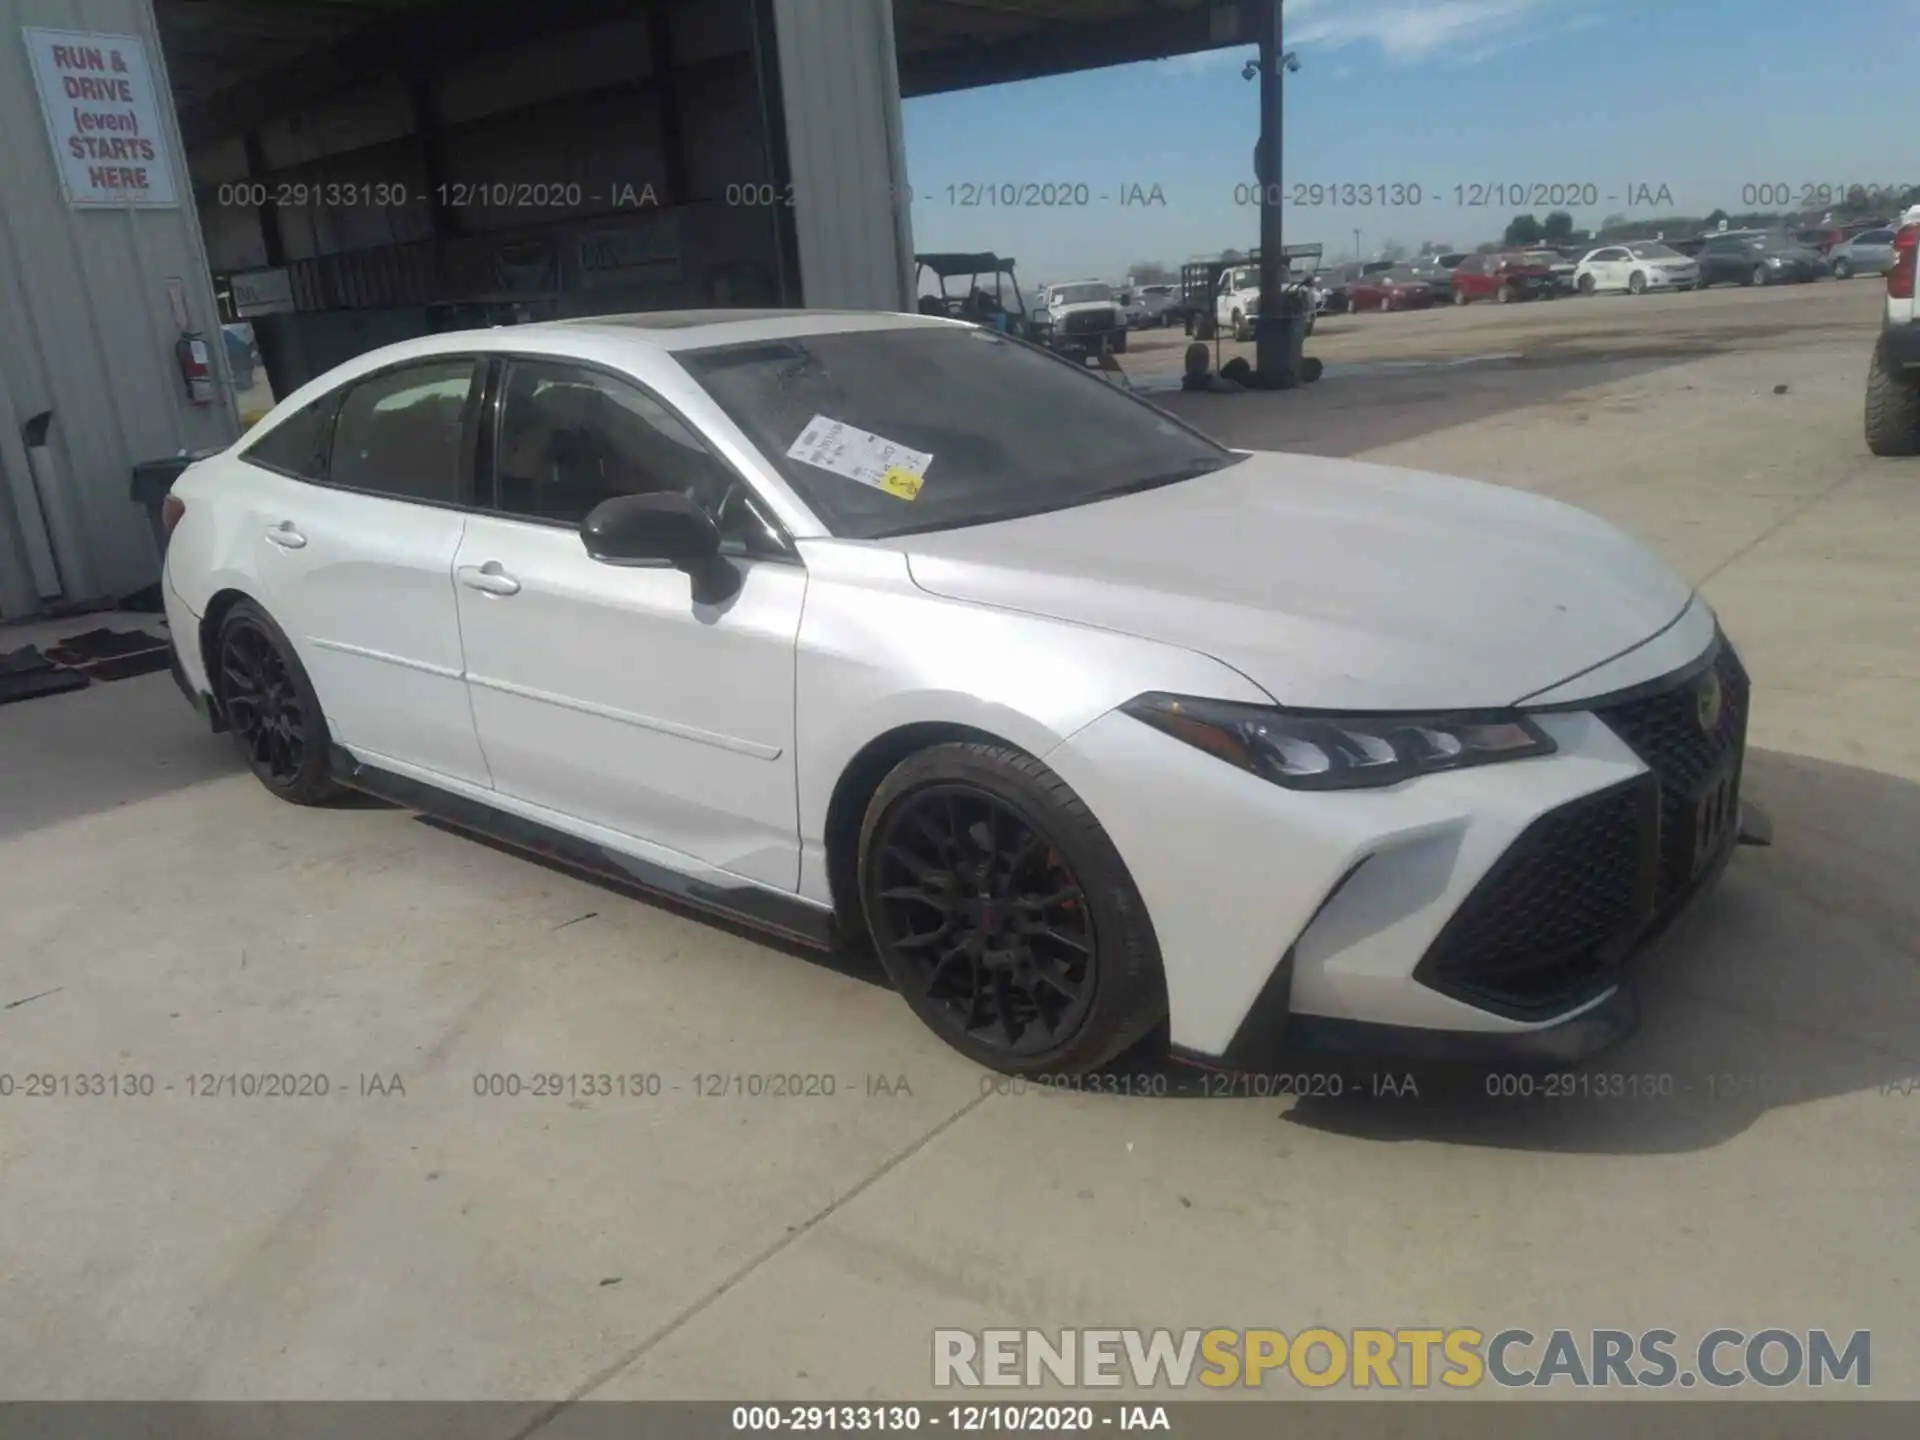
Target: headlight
(1773, 260)
(1335, 752)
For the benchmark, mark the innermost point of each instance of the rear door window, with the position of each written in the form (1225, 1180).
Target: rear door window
(402, 433)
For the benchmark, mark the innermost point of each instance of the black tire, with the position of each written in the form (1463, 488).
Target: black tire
(1459, 297)
(1205, 327)
(1241, 332)
(1758, 275)
(1119, 346)
(1842, 270)
(1386, 303)
(1504, 295)
(1893, 412)
(274, 715)
(1636, 284)
(1068, 914)
(1587, 285)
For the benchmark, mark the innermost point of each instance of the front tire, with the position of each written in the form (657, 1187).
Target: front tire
(1587, 285)
(274, 716)
(1459, 297)
(1004, 915)
(1504, 295)
(1842, 270)
(1636, 284)
(1893, 412)
(1759, 276)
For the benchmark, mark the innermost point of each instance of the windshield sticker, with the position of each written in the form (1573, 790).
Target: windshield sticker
(861, 455)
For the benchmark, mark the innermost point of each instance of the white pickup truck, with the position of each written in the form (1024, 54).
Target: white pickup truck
(1237, 302)
(1893, 379)
(1084, 317)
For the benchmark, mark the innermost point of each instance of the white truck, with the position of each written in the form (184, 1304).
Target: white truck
(1084, 318)
(1893, 379)
(1237, 302)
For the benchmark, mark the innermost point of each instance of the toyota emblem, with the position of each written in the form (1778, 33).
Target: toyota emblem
(1708, 701)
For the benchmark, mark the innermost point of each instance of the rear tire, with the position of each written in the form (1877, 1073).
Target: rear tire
(1587, 285)
(1004, 915)
(1893, 412)
(1842, 270)
(1459, 297)
(1758, 275)
(273, 713)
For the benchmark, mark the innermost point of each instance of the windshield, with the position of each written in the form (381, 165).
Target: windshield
(1081, 294)
(1656, 252)
(987, 427)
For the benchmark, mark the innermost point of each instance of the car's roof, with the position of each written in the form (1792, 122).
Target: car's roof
(608, 339)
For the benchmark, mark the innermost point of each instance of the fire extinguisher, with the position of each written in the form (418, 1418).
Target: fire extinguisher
(196, 367)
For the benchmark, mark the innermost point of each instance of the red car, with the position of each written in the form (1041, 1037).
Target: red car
(1501, 278)
(1398, 288)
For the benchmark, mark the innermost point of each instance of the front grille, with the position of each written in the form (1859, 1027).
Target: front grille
(1664, 731)
(1558, 909)
(1570, 899)
(1084, 321)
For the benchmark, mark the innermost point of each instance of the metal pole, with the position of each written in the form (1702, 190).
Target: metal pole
(1273, 341)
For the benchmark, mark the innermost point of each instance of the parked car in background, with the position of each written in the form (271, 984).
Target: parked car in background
(1757, 258)
(1437, 277)
(1501, 278)
(1637, 268)
(1160, 302)
(1893, 379)
(1399, 288)
(1868, 253)
(1560, 265)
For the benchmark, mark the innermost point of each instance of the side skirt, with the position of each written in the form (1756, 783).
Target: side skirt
(744, 904)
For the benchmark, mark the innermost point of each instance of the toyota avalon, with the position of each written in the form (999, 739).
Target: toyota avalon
(890, 631)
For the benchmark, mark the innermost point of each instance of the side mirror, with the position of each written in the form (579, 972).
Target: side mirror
(659, 531)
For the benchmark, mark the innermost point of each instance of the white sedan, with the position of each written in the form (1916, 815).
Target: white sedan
(1636, 268)
(889, 630)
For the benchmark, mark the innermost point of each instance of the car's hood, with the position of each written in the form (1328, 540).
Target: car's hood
(1330, 583)
(1062, 307)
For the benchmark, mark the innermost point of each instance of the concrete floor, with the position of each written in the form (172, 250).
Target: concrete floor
(160, 915)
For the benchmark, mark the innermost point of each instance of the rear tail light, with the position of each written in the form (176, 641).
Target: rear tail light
(172, 511)
(1900, 277)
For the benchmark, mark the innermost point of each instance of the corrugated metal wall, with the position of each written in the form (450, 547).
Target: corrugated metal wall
(87, 330)
(840, 85)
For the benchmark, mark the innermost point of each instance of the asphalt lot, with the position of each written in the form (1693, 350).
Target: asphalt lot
(161, 915)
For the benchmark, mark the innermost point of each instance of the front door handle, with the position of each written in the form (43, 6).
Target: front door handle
(286, 537)
(489, 579)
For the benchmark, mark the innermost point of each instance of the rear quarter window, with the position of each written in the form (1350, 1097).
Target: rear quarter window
(297, 445)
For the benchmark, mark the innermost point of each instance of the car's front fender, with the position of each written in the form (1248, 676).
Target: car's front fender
(878, 655)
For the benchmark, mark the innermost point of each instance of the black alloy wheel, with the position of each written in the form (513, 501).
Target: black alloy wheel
(271, 708)
(1003, 914)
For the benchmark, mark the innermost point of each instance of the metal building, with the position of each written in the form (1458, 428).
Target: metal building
(99, 280)
(338, 174)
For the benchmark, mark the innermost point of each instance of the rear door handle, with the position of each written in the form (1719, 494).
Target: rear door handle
(286, 537)
(489, 579)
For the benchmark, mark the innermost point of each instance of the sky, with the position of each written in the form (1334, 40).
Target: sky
(1644, 108)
